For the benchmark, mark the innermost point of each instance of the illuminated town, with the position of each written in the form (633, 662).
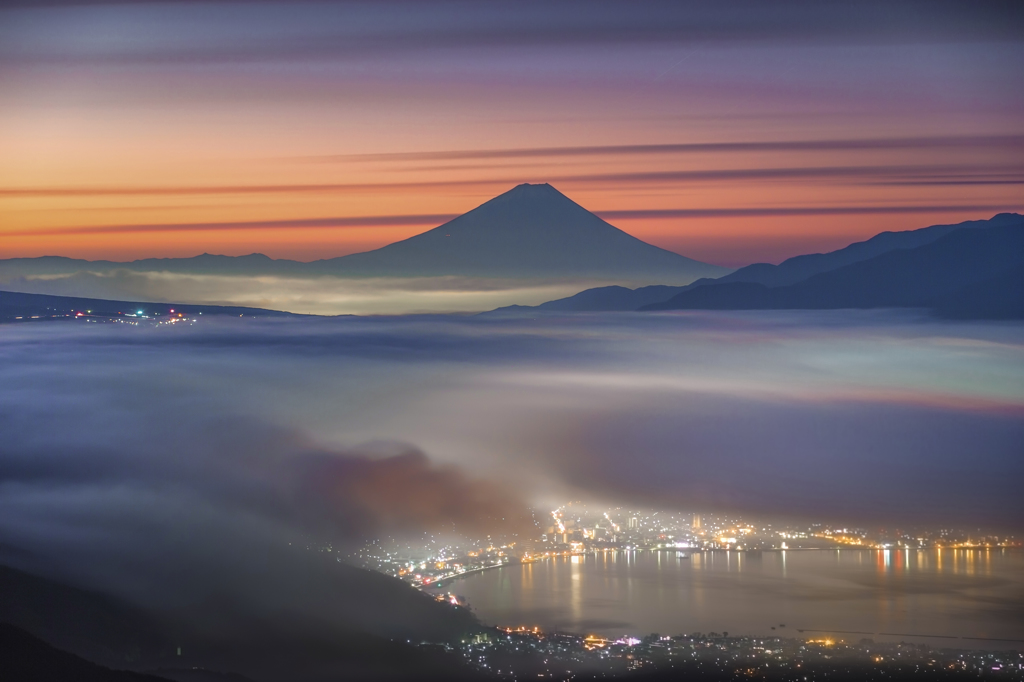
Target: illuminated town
(526, 653)
(136, 318)
(577, 528)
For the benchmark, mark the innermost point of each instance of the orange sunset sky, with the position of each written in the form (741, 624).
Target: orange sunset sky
(315, 130)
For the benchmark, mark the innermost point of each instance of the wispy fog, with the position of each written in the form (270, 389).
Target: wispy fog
(130, 457)
(318, 296)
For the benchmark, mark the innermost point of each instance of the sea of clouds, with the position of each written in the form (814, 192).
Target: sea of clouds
(133, 458)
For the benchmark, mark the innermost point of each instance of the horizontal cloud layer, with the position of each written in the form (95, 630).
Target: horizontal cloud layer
(338, 30)
(173, 466)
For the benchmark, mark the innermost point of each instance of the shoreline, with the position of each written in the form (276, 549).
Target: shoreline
(811, 626)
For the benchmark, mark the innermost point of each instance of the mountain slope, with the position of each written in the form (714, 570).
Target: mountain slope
(96, 627)
(612, 298)
(788, 272)
(529, 231)
(29, 659)
(376, 614)
(998, 298)
(799, 268)
(602, 299)
(962, 270)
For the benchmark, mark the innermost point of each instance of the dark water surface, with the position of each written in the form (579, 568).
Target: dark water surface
(950, 595)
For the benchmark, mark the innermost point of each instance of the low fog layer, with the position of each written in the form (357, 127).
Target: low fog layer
(317, 296)
(136, 458)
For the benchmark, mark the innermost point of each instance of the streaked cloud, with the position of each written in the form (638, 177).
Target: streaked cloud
(945, 142)
(335, 31)
(673, 213)
(358, 114)
(303, 223)
(877, 173)
(234, 189)
(437, 219)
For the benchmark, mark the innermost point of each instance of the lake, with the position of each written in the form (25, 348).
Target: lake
(957, 598)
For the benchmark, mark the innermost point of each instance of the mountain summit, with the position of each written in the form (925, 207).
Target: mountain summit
(529, 231)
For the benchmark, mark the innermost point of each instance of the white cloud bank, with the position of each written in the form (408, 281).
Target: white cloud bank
(318, 296)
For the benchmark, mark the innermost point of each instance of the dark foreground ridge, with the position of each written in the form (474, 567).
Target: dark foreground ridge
(19, 307)
(496, 654)
(54, 632)
(25, 658)
(375, 636)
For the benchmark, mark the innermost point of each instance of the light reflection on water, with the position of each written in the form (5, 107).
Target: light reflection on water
(953, 593)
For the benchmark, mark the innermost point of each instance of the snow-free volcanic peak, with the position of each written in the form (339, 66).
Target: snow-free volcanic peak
(532, 230)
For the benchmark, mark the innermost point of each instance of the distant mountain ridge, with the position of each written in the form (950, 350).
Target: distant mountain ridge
(939, 273)
(969, 274)
(606, 299)
(799, 268)
(15, 306)
(531, 231)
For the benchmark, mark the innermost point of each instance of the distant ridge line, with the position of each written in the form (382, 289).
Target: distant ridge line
(909, 634)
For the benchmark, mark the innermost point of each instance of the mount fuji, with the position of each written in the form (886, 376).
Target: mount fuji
(529, 232)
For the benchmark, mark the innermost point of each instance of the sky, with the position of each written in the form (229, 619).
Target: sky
(126, 445)
(731, 133)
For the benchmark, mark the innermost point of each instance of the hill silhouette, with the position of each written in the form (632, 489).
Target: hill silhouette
(968, 273)
(975, 287)
(799, 268)
(602, 299)
(29, 659)
(369, 643)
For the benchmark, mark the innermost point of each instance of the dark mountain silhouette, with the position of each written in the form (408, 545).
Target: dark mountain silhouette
(969, 273)
(377, 614)
(799, 268)
(16, 306)
(997, 298)
(794, 270)
(204, 264)
(531, 231)
(603, 299)
(29, 659)
(101, 629)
